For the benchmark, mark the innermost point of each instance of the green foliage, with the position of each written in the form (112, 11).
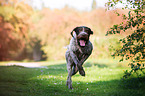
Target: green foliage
(14, 25)
(133, 45)
(7, 12)
(103, 47)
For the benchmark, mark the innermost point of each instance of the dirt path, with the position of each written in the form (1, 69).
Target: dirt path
(29, 65)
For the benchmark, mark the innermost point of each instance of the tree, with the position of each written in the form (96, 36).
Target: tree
(14, 22)
(94, 5)
(133, 45)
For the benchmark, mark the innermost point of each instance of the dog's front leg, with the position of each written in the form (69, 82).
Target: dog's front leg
(79, 65)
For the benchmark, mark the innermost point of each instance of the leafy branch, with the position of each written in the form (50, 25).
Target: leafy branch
(133, 45)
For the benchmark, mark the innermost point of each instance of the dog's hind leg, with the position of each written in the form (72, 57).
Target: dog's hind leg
(69, 69)
(69, 81)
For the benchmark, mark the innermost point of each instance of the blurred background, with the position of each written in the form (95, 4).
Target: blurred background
(40, 29)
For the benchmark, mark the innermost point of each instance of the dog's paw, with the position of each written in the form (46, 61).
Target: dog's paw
(70, 87)
(82, 72)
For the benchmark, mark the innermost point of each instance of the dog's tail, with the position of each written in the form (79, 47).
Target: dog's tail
(66, 47)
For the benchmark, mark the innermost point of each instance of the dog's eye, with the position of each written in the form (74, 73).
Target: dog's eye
(80, 30)
(87, 31)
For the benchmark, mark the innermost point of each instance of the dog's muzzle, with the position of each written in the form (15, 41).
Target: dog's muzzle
(82, 39)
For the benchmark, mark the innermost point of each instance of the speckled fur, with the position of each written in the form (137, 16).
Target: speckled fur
(75, 57)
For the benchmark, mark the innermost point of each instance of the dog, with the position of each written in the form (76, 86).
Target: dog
(79, 49)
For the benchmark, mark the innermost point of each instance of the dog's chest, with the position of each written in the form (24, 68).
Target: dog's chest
(80, 52)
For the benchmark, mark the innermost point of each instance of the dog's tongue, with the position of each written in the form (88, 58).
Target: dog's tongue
(82, 42)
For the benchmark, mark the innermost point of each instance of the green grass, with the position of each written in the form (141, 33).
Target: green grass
(102, 79)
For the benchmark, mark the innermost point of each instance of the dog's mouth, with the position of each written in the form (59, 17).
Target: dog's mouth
(82, 43)
(82, 39)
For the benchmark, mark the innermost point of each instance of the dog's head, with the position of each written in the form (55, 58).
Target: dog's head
(82, 35)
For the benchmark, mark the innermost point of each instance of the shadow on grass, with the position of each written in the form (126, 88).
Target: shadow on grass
(133, 83)
(128, 87)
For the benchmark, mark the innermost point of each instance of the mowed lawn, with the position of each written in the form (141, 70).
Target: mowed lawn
(103, 78)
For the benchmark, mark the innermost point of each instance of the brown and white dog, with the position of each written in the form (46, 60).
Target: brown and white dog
(79, 49)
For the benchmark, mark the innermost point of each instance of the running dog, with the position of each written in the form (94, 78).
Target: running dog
(79, 49)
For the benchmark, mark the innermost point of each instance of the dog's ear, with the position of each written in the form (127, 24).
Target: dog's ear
(90, 31)
(75, 29)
